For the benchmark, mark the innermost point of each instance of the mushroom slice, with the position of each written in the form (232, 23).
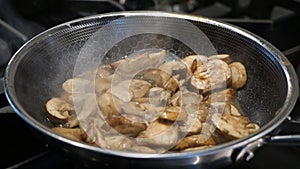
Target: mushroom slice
(202, 112)
(145, 149)
(213, 75)
(178, 71)
(139, 88)
(194, 141)
(190, 97)
(159, 96)
(239, 75)
(129, 89)
(118, 142)
(107, 104)
(102, 84)
(193, 61)
(131, 66)
(125, 126)
(159, 134)
(173, 113)
(226, 95)
(172, 84)
(59, 108)
(71, 133)
(121, 91)
(77, 85)
(175, 68)
(104, 71)
(233, 126)
(175, 100)
(225, 57)
(192, 125)
(156, 77)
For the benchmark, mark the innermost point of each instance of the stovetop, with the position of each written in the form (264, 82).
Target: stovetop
(21, 146)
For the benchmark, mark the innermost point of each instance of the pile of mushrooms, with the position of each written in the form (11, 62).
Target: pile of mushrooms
(147, 104)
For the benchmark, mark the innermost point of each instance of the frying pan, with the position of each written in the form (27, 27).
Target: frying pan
(39, 67)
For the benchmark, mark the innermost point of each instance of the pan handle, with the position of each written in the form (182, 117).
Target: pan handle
(283, 140)
(289, 135)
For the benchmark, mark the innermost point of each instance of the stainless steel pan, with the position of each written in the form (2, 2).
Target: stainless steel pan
(37, 70)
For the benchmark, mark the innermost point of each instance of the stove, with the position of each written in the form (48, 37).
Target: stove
(276, 21)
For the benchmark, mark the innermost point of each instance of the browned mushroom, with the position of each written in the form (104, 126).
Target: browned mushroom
(239, 75)
(193, 61)
(192, 125)
(173, 113)
(233, 126)
(226, 95)
(172, 84)
(129, 67)
(159, 96)
(212, 75)
(156, 77)
(59, 108)
(139, 88)
(107, 104)
(77, 85)
(102, 84)
(118, 142)
(159, 134)
(71, 133)
(125, 126)
(194, 141)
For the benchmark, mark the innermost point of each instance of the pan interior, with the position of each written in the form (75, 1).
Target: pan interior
(48, 60)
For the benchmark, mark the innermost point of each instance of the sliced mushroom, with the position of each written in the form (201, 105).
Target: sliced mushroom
(202, 113)
(94, 132)
(139, 88)
(121, 91)
(193, 61)
(129, 67)
(213, 75)
(172, 84)
(194, 141)
(192, 125)
(125, 126)
(239, 75)
(173, 113)
(156, 77)
(225, 57)
(107, 104)
(174, 68)
(233, 126)
(129, 89)
(59, 108)
(175, 100)
(71, 133)
(102, 84)
(159, 134)
(159, 96)
(145, 149)
(118, 142)
(190, 97)
(77, 85)
(226, 95)
(104, 71)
